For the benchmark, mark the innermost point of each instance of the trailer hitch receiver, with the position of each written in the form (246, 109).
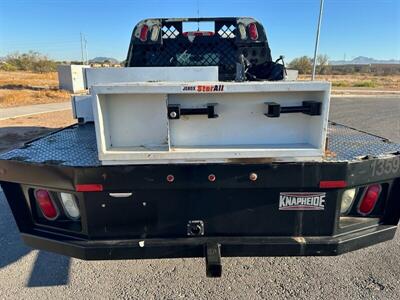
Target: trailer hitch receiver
(213, 260)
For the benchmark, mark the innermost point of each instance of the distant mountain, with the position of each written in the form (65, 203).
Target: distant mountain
(362, 60)
(102, 59)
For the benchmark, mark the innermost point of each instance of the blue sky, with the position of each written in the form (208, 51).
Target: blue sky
(350, 27)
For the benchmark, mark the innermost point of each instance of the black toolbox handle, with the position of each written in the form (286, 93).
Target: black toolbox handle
(312, 108)
(175, 111)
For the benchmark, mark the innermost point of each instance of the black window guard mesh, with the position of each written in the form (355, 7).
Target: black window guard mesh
(221, 49)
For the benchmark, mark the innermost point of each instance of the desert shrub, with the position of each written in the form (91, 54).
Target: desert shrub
(302, 64)
(341, 83)
(31, 61)
(43, 66)
(367, 83)
(7, 67)
(323, 64)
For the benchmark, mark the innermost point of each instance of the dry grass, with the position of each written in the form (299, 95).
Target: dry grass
(29, 78)
(358, 81)
(26, 88)
(12, 98)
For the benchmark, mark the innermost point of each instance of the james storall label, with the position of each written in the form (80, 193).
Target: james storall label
(302, 201)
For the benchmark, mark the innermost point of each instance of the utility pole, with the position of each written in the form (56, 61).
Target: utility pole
(198, 16)
(321, 7)
(86, 52)
(81, 48)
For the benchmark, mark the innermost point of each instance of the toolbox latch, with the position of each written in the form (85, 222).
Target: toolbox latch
(175, 111)
(312, 108)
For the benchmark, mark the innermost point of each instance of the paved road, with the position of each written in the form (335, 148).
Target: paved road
(19, 111)
(368, 273)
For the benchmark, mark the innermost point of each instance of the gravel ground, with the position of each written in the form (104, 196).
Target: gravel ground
(371, 273)
(15, 131)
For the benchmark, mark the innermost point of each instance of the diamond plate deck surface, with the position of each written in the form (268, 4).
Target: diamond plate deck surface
(76, 147)
(348, 144)
(73, 146)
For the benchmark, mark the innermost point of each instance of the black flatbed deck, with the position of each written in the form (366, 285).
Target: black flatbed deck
(75, 146)
(238, 216)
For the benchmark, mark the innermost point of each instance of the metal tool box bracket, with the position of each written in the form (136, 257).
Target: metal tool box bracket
(312, 108)
(175, 111)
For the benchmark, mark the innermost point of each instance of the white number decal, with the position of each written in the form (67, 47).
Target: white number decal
(385, 166)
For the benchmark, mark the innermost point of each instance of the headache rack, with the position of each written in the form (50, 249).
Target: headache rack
(163, 42)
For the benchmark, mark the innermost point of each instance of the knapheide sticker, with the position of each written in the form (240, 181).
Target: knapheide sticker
(302, 201)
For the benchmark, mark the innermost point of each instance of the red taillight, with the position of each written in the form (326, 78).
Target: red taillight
(89, 187)
(369, 199)
(46, 205)
(143, 33)
(332, 184)
(253, 32)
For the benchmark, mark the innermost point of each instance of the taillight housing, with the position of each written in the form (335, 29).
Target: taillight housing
(70, 206)
(46, 204)
(347, 200)
(253, 32)
(242, 31)
(155, 31)
(369, 199)
(143, 33)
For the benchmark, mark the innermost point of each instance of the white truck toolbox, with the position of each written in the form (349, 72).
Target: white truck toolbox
(133, 74)
(183, 122)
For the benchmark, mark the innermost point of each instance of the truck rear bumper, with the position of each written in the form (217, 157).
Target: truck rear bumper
(195, 247)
